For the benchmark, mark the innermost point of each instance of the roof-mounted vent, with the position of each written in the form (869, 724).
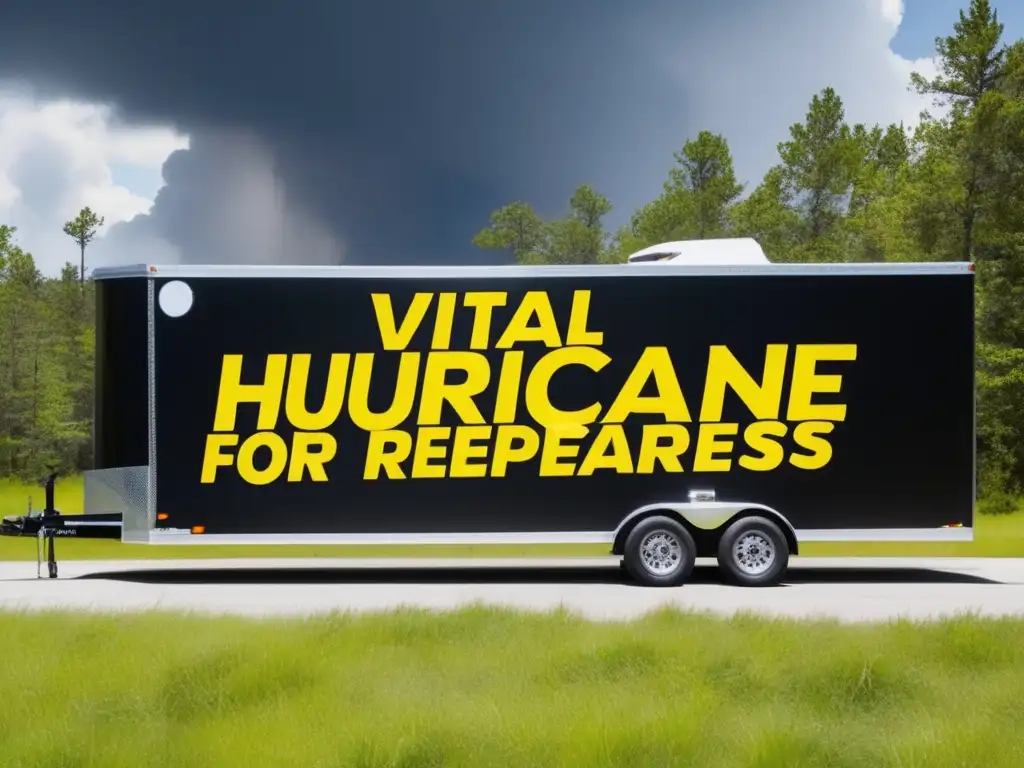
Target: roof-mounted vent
(723, 251)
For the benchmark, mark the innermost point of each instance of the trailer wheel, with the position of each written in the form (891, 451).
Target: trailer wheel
(659, 552)
(753, 552)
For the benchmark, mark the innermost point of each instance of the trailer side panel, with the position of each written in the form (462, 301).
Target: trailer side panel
(869, 424)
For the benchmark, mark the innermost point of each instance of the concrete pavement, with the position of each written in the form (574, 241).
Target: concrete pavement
(848, 589)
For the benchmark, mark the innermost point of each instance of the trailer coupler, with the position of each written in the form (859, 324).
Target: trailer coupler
(48, 525)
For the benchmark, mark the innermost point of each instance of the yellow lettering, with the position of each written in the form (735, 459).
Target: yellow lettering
(398, 339)
(214, 458)
(669, 402)
(377, 458)
(246, 460)
(443, 323)
(303, 457)
(808, 435)
(707, 446)
(463, 450)
(724, 370)
(334, 396)
(806, 383)
(232, 392)
(553, 449)
(759, 437)
(610, 436)
(505, 450)
(578, 335)
(404, 393)
(652, 450)
(507, 400)
(426, 450)
(483, 303)
(518, 329)
(537, 401)
(437, 391)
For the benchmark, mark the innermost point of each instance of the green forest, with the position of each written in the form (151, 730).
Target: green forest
(47, 338)
(951, 189)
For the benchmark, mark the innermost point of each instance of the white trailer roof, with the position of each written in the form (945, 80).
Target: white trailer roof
(722, 256)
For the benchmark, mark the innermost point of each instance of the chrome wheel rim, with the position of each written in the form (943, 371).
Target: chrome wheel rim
(661, 553)
(754, 553)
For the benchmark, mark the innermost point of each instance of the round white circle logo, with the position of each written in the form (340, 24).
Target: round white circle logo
(175, 298)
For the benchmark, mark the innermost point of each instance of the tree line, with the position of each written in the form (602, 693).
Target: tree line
(952, 189)
(47, 343)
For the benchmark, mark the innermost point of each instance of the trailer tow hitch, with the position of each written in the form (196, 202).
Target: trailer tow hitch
(39, 526)
(48, 524)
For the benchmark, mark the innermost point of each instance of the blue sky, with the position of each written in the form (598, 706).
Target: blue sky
(924, 20)
(141, 181)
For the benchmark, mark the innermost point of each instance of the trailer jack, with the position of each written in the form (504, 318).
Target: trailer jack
(46, 539)
(45, 536)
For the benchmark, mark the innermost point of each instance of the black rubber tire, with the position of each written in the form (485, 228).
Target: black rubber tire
(770, 530)
(634, 562)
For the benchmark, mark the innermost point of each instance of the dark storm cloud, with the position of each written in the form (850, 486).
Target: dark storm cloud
(394, 126)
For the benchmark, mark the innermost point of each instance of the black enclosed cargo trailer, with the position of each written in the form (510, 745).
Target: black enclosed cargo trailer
(668, 411)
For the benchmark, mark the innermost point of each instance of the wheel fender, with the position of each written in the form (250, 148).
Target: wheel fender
(706, 516)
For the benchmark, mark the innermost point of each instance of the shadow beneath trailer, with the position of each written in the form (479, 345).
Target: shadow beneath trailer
(374, 575)
(846, 575)
(504, 575)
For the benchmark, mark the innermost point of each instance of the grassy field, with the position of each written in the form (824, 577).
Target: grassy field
(484, 687)
(995, 536)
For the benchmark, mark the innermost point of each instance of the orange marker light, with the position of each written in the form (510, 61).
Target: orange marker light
(161, 515)
(198, 529)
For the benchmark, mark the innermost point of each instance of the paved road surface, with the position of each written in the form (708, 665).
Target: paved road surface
(845, 588)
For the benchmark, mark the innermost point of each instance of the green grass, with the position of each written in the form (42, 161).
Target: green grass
(995, 536)
(485, 687)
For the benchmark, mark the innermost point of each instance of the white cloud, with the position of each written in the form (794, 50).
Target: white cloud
(789, 54)
(749, 76)
(909, 107)
(58, 156)
(892, 11)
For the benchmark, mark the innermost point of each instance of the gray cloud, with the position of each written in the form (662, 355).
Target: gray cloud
(223, 203)
(386, 131)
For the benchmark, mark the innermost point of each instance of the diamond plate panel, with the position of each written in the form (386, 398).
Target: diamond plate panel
(124, 490)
